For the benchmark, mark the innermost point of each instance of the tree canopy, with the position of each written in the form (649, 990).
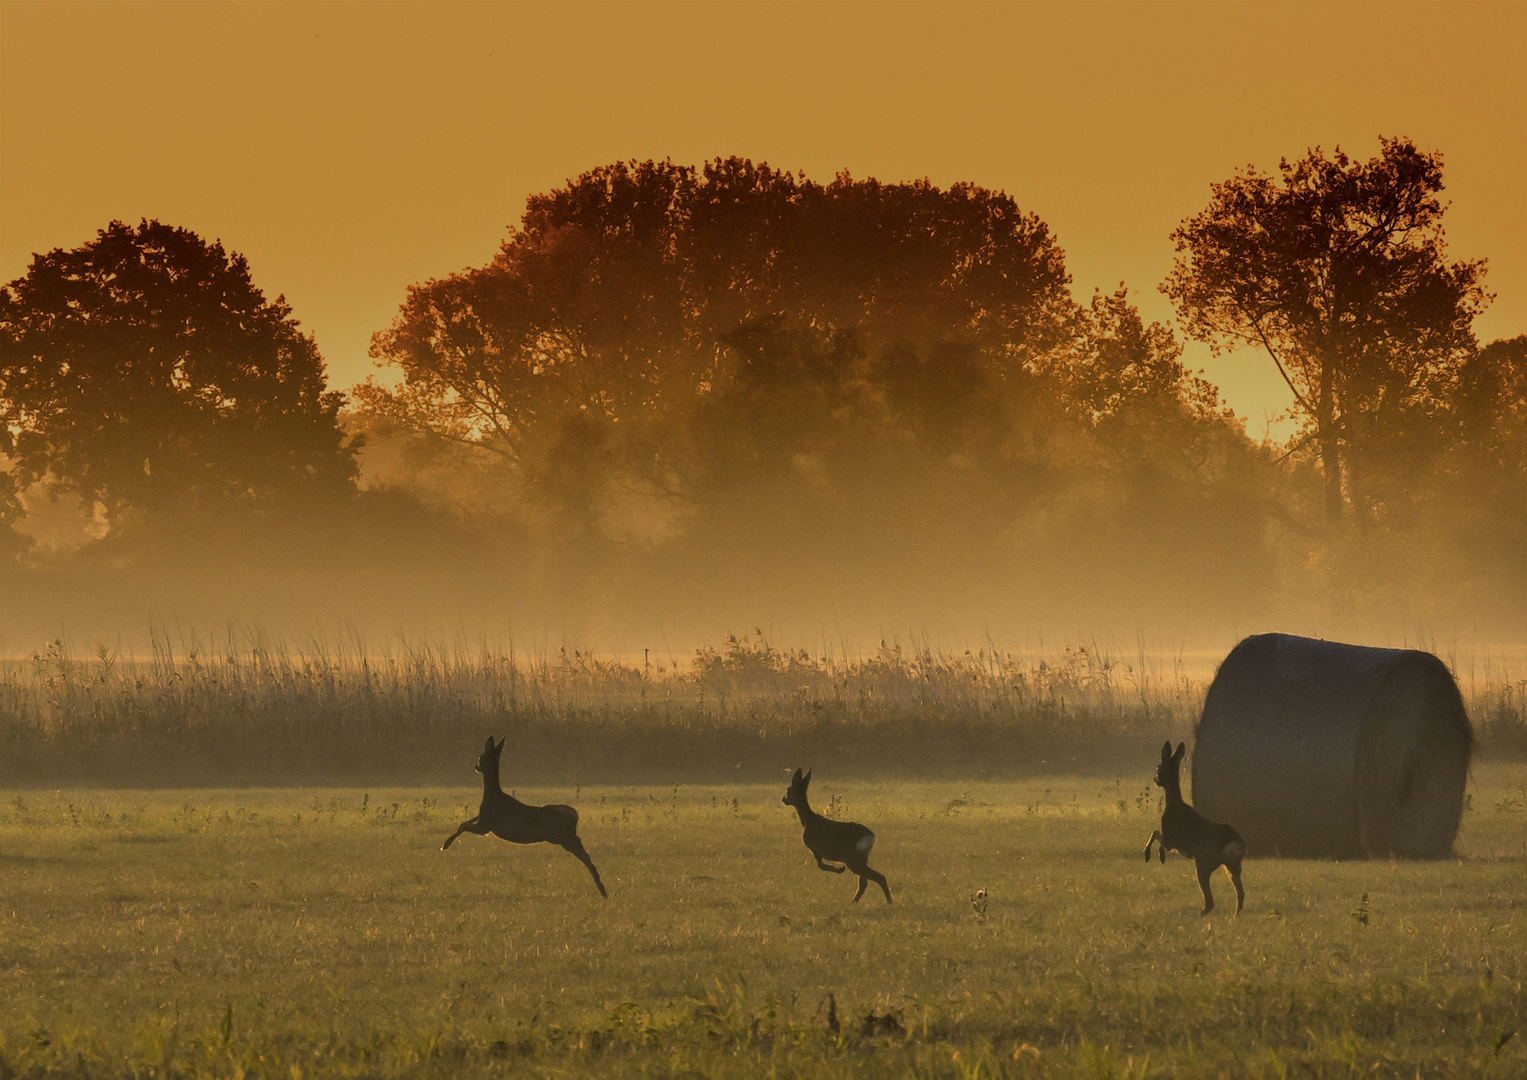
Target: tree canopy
(735, 362)
(623, 288)
(698, 390)
(1337, 268)
(645, 290)
(145, 370)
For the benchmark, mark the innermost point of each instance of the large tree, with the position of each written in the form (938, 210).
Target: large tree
(748, 369)
(1337, 269)
(627, 293)
(144, 369)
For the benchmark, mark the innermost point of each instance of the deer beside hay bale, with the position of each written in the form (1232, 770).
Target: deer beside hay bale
(1319, 749)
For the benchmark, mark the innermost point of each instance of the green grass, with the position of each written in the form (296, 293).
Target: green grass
(311, 933)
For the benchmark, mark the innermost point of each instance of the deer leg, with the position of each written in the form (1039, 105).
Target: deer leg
(1234, 870)
(471, 825)
(1205, 872)
(1153, 838)
(575, 846)
(879, 879)
(828, 867)
(866, 875)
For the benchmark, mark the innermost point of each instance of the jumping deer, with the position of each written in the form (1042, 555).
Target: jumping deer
(845, 842)
(509, 819)
(1208, 844)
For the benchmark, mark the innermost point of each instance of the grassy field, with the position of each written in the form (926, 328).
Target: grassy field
(314, 933)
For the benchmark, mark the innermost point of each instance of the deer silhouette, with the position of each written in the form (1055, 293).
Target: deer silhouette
(845, 842)
(1208, 844)
(519, 823)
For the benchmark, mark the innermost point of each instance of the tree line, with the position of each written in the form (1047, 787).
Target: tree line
(738, 370)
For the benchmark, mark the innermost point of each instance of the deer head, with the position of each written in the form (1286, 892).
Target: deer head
(490, 753)
(1167, 771)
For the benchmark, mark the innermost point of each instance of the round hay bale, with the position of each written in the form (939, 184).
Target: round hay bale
(1317, 749)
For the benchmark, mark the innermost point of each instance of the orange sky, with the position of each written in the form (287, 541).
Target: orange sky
(351, 149)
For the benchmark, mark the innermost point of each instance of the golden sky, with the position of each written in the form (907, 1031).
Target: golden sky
(352, 149)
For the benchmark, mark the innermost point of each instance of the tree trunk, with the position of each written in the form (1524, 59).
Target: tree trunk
(1330, 463)
(1329, 437)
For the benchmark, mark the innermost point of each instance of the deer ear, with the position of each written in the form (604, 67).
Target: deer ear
(797, 778)
(1166, 750)
(501, 742)
(1182, 748)
(807, 778)
(488, 749)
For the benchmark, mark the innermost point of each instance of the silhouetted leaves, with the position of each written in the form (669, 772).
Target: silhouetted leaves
(145, 370)
(735, 363)
(1338, 269)
(676, 391)
(634, 292)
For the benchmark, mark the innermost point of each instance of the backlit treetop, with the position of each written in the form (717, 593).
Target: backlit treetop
(144, 369)
(619, 293)
(1338, 270)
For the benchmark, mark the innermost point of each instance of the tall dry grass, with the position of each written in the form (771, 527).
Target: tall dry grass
(247, 710)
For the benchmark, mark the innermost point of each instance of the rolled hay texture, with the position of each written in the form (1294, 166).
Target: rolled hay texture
(1318, 749)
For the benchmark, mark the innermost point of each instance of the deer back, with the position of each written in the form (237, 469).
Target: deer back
(840, 841)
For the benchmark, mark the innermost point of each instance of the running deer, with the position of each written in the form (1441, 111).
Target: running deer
(845, 842)
(509, 819)
(1184, 829)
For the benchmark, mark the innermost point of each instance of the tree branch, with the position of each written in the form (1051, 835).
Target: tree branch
(1299, 444)
(1256, 321)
